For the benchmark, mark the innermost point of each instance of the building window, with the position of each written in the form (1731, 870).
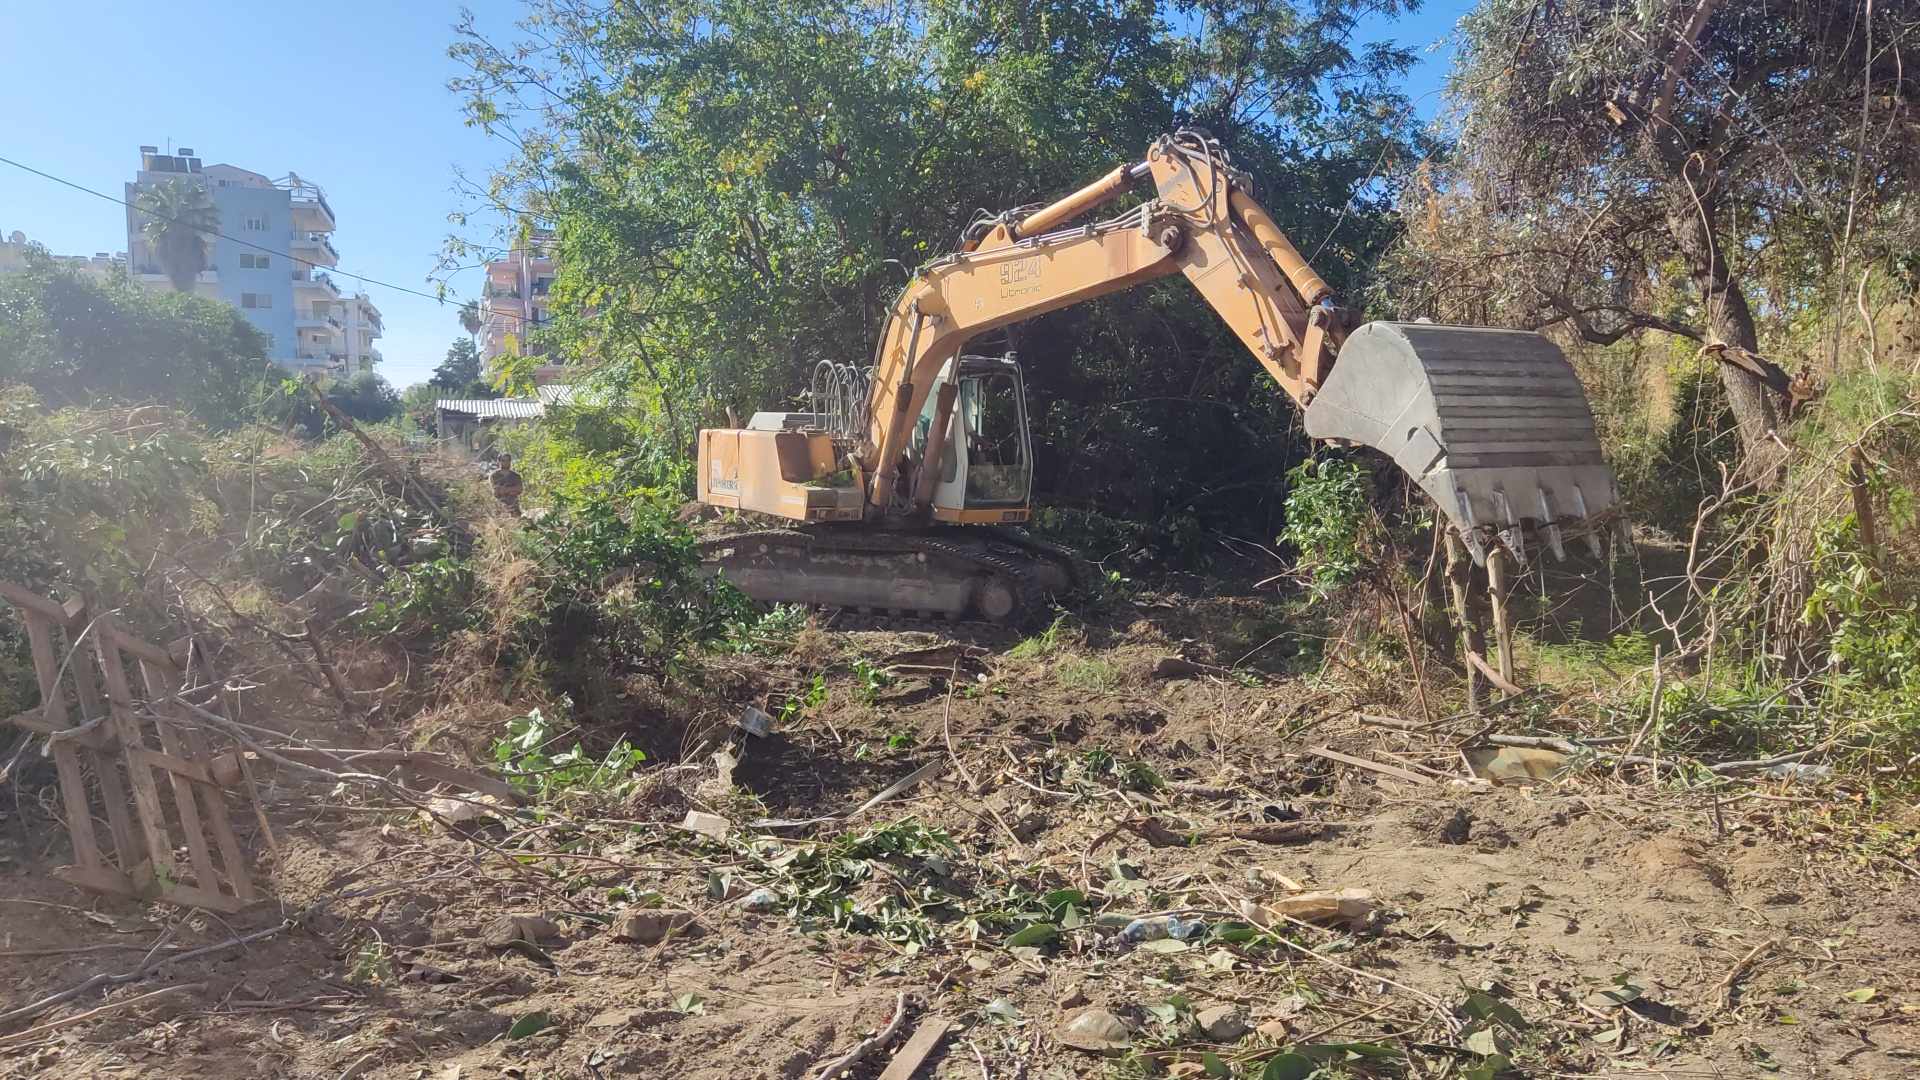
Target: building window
(256, 300)
(255, 224)
(249, 261)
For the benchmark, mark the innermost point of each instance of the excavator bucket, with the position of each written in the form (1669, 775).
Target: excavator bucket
(1492, 424)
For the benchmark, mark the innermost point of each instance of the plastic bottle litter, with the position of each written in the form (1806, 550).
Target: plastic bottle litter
(1162, 926)
(1798, 771)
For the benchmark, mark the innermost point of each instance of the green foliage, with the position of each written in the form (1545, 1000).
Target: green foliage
(1089, 673)
(623, 591)
(1040, 645)
(78, 340)
(526, 759)
(815, 884)
(460, 374)
(423, 600)
(868, 680)
(1327, 515)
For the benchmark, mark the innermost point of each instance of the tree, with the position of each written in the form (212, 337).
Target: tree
(460, 374)
(1705, 169)
(470, 318)
(178, 221)
(461, 367)
(79, 340)
(739, 199)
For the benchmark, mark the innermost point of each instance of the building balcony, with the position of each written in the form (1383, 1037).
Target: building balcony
(316, 284)
(311, 214)
(327, 325)
(153, 275)
(314, 249)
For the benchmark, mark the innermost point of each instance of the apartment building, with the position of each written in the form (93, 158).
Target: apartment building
(270, 260)
(514, 301)
(15, 249)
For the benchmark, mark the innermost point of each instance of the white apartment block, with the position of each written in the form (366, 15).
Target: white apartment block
(514, 301)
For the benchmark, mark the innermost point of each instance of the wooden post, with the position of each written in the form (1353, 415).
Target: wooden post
(1472, 641)
(1863, 507)
(1498, 586)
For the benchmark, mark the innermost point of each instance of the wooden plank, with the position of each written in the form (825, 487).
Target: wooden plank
(1498, 680)
(188, 796)
(1382, 768)
(189, 896)
(926, 1038)
(106, 770)
(1499, 586)
(146, 797)
(53, 711)
(145, 651)
(99, 878)
(27, 600)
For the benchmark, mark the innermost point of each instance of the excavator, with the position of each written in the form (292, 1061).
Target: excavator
(902, 490)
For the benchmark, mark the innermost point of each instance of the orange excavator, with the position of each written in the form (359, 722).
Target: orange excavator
(903, 488)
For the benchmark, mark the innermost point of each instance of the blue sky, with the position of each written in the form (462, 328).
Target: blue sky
(351, 94)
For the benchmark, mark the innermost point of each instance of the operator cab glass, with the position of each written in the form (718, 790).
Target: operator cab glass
(990, 415)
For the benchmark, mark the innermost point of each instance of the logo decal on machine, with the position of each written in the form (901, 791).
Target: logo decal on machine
(1021, 276)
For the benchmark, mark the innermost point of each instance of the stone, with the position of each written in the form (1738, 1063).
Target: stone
(1076, 996)
(504, 930)
(1096, 1031)
(1222, 1023)
(648, 926)
(1274, 1031)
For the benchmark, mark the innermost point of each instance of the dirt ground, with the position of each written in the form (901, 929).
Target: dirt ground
(1619, 928)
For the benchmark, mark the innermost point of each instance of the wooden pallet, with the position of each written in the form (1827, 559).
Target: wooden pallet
(122, 756)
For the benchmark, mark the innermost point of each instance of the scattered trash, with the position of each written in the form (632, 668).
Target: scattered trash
(1515, 764)
(760, 901)
(711, 826)
(1222, 1023)
(1800, 772)
(1352, 907)
(1272, 879)
(462, 809)
(648, 926)
(1096, 1031)
(1162, 926)
(755, 722)
(723, 765)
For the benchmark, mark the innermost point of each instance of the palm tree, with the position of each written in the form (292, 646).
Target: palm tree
(470, 318)
(178, 221)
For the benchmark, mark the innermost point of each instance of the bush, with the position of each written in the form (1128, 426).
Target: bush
(1327, 514)
(624, 591)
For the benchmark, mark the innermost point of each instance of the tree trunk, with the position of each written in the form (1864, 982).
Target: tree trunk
(1730, 321)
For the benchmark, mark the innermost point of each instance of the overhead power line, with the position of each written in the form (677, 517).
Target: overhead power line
(248, 243)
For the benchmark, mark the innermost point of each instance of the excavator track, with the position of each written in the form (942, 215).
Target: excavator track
(941, 577)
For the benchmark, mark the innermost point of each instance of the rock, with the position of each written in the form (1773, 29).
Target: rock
(648, 926)
(1096, 1031)
(1515, 764)
(504, 930)
(1274, 1031)
(614, 1018)
(760, 900)
(1076, 996)
(1222, 1023)
(461, 810)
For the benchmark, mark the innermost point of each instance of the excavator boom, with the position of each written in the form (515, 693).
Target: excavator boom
(1492, 424)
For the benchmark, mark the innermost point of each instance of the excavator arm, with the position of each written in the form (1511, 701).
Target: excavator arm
(1491, 423)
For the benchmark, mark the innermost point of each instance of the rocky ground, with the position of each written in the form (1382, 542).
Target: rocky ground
(1092, 871)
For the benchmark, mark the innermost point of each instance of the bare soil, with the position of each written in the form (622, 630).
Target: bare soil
(1760, 940)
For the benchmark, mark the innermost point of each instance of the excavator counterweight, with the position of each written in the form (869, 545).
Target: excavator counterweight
(900, 483)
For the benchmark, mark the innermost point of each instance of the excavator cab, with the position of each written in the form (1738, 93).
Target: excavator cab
(985, 469)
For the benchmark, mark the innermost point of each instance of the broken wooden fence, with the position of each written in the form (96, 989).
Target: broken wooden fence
(122, 758)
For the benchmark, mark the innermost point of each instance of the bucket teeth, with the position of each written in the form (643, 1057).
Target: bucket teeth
(1588, 530)
(1512, 535)
(1550, 525)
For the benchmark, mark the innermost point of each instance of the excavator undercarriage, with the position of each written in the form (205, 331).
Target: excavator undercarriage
(949, 574)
